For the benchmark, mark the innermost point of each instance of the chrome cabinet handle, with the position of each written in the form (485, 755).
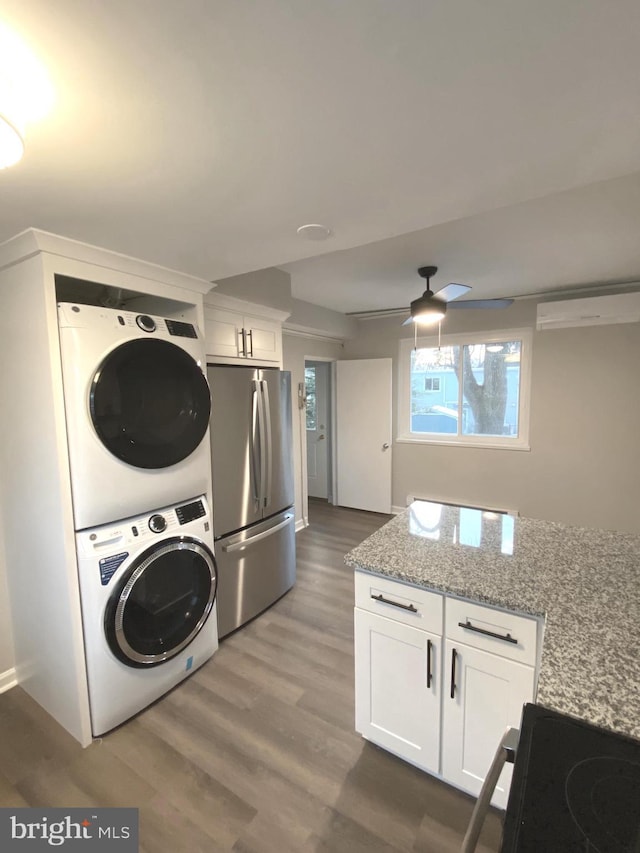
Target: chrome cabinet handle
(469, 627)
(249, 334)
(395, 603)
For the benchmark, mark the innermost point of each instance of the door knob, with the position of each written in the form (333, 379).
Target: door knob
(320, 438)
(385, 446)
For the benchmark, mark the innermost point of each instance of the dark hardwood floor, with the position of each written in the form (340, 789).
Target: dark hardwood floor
(256, 752)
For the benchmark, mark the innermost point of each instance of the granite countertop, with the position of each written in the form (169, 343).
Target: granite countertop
(584, 582)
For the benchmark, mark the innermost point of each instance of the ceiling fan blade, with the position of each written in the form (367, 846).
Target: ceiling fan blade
(483, 303)
(408, 321)
(451, 291)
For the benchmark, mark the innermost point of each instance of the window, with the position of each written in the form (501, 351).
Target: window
(471, 390)
(310, 393)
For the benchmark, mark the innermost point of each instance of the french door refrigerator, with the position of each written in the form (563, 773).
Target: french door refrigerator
(253, 516)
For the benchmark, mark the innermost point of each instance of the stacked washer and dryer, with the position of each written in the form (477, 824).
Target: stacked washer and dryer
(137, 408)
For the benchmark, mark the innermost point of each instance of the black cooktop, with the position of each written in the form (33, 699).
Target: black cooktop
(575, 788)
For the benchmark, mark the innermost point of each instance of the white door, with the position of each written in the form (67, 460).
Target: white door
(398, 688)
(363, 434)
(317, 411)
(489, 692)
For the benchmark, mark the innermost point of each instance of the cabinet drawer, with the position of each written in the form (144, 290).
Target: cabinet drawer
(408, 604)
(515, 634)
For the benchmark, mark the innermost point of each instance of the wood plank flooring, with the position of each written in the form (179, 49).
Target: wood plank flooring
(256, 752)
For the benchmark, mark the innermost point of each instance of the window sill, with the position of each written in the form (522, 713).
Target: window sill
(490, 445)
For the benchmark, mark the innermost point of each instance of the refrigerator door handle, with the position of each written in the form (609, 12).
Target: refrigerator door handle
(268, 445)
(262, 430)
(246, 543)
(256, 454)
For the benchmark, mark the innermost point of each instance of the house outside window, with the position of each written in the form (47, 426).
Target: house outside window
(471, 390)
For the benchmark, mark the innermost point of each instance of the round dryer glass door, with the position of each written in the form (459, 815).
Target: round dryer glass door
(150, 403)
(162, 603)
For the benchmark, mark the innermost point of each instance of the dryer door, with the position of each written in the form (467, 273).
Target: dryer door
(150, 403)
(162, 602)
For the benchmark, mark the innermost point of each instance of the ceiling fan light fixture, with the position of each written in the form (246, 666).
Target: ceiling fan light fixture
(427, 311)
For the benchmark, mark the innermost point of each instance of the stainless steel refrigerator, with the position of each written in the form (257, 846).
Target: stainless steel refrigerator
(253, 517)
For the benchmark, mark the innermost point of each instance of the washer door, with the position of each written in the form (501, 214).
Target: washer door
(150, 403)
(162, 602)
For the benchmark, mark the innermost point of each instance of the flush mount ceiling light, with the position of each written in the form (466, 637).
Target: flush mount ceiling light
(314, 231)
(26, 94)
(11, 144)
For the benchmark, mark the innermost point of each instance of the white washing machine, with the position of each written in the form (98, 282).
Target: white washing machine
(137, 408)
(148, 593)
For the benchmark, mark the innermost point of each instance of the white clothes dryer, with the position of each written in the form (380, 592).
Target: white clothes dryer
(148, 594)
(137, 408)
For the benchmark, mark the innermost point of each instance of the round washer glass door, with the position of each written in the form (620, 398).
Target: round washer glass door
(162, 602)
(150, 403)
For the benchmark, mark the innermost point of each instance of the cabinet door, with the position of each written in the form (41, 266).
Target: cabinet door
(264, 339)
(397, 688)
(488, 694)
(223, 333)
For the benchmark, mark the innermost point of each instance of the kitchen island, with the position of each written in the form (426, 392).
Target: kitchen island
(584, 583)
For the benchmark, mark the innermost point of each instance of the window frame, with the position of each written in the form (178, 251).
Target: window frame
(404, 434)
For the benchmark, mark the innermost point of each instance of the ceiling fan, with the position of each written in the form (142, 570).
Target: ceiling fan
(431, 307)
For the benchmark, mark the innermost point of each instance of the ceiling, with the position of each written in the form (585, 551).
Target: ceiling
(498, 140)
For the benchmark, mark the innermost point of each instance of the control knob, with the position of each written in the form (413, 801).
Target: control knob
(146, 323)
(157, 523)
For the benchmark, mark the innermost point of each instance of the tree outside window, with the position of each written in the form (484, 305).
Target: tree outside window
(466, 390)
(310, 393)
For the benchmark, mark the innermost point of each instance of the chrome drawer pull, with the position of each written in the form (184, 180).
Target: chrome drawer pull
(395, 603)
(506, 637)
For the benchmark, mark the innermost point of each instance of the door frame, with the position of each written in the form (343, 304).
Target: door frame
(331, 425)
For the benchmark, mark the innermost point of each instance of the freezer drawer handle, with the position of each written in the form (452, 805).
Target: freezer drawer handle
(395, 603)
(469, 627)
(238, 546)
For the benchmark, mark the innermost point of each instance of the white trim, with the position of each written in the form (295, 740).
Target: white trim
(301, 523)
(33, 241)
(296, 331)
(397, 509)
(8, 679)
(213, 299)
(405, 436)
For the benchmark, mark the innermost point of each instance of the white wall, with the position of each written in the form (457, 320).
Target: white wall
(296, 349)
(7, 657)
(584, 460)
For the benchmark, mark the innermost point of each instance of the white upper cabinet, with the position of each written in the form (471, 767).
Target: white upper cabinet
(237, 331)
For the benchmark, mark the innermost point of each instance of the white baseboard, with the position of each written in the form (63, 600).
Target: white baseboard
(301, 523)
(8, 679)
(396, 509)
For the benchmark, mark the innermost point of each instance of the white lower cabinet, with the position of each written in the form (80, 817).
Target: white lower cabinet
(398, 688)
(484, 694)
(439, 679)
